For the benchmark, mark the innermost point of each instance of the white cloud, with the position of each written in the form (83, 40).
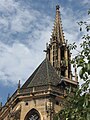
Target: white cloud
(70, 24)
(22, 21)
(86, 1)
(17, 62)
(18, 17)
(70, 0)
(6, 4)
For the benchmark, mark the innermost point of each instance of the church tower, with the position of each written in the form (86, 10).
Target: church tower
(57, 51)
(44, 92)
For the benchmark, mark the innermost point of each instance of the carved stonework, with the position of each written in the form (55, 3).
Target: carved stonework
(16, 115)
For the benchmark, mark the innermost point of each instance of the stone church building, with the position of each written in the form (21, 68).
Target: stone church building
(43, 93)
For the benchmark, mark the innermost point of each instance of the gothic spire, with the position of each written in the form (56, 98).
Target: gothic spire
(57, 33)
(57, 51)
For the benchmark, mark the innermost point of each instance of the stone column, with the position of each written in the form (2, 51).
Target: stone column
(66, 60)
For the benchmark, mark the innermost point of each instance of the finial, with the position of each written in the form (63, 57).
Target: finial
(57, 7)
(19, 84)
(66, 42)
(18, 89)
(0, 104)
(46, 48)
(46, 45)
(8, 96)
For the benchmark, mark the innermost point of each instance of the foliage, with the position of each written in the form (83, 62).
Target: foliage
(77, 106)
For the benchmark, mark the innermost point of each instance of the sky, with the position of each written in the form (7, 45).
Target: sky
(25, 28)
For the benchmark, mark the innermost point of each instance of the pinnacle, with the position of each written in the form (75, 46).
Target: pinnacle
(57, 7)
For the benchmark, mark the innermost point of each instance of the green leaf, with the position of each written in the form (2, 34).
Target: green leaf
(81, 73)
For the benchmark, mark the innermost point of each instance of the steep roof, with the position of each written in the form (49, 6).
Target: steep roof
(43, 75)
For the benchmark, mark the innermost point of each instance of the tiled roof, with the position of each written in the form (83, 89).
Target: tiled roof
(43, 75)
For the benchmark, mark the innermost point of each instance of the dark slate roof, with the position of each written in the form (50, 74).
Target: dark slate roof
(43, 75)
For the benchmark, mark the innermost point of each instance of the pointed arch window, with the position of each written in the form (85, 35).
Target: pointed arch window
(33, 114)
